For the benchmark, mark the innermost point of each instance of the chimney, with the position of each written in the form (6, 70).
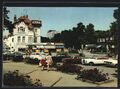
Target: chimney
(15, 18)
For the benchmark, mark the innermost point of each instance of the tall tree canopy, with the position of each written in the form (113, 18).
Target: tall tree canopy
(7, 23)
(90, 34)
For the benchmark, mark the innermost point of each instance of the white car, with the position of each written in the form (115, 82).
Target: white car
(36, 56)
(93, 61)
(111, 62)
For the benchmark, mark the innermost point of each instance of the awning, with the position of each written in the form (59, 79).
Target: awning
(60, 46)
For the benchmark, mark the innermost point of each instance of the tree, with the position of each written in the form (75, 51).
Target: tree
(45, 39)
(8, 24)
(90, 34)
(56, 38)
(113, 29)
(80, 33)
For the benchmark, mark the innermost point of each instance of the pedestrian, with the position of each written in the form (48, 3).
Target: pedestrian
(43, 62)
(49, 61)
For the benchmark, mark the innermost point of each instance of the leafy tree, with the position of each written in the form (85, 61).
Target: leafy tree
(114, 30)
(45, 39)
(56, 38)
(90, 34)
(8, 24)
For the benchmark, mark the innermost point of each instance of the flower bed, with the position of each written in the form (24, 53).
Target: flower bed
(93, 75)
(69, 68)
(72, 61)
(98, 83)
(16, 79)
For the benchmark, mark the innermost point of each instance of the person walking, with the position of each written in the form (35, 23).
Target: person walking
(49, 61)
(43, 62)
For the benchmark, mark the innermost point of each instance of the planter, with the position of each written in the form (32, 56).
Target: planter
(98, 83)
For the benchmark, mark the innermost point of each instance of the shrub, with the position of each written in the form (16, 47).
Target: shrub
(69, 68)
(72, 61)
(16, 79)
(93, 74)
(31, 61)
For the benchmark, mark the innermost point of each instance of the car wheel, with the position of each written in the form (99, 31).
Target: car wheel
(91, 63)
(83, 62)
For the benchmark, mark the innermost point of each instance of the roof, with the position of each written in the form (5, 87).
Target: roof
(27, 21)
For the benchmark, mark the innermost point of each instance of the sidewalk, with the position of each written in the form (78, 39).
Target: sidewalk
(58, 79)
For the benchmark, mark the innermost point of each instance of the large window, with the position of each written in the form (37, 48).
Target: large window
(19, 38)
(23, 39)
(30, 40)
(35, 40)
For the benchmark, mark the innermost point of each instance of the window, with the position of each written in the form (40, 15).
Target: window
(23, 39)
(36, 30)
(30, 39)
(35, 39)
(19, 39)
(12, 39)
(21, 29)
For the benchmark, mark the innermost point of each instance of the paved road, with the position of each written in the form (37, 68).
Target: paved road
(54, 78)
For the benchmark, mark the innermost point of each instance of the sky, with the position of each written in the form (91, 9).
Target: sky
(65, 18)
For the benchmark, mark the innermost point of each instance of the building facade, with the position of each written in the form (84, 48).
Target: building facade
(25, 32)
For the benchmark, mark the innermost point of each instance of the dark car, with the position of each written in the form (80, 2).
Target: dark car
(75, 60)
(16, 56)
(59, 58)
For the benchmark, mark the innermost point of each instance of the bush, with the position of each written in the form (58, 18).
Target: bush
(72, 61)
(69, 68)
(16, 79)
(31, 61)
(93, 74)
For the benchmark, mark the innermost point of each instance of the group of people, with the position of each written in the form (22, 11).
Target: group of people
(46, 61)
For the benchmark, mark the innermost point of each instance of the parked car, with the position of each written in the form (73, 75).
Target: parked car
(111, 62)
(93, 61)
(7, 55)
(16, 56)
(59, 58)
(24, 54)
(75, 60)
(36, 56)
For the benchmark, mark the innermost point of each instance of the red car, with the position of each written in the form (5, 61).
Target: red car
(75, 60)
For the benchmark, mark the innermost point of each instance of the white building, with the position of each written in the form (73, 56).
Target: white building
(26, 32)
(51, 33)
